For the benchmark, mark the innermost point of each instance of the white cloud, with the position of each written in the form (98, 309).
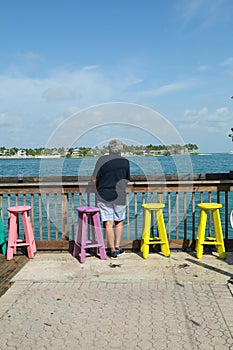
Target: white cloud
(91, 67)
(60, 93)
(44, 103)
(228, 61)
(204, 68)
(190, 9)
(113, 120)
(3, 119)
(172, 87)
(30, 56)
(201, 13)
(203, 120)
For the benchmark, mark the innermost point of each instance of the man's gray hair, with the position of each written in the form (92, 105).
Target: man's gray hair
(115, 146)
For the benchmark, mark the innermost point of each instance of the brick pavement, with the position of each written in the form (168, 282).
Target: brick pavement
(159, 303)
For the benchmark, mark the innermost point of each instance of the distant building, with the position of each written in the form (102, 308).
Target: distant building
(75, 152)
(21, 153)
(3, 153)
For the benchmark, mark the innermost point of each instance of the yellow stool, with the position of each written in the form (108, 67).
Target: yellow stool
(218, 239)
(162, 235)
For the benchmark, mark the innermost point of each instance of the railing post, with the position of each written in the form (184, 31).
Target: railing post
(65, 217)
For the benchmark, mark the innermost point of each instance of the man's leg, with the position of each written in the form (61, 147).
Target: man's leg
(109, 230)
(118, 232)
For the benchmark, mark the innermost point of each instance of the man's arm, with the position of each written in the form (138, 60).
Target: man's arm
(95, 173)
(94, 179)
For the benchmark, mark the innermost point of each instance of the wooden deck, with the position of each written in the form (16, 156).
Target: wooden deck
(8, 270)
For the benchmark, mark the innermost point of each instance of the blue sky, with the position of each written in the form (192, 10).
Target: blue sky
(60, 59)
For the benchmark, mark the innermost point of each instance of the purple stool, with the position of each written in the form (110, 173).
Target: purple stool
(88, 215)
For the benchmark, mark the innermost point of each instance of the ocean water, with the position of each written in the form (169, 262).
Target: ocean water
(211, 163)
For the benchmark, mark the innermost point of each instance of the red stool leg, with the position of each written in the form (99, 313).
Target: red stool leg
(27, 233)
(12, 236)
(16, 230)
(31, 233)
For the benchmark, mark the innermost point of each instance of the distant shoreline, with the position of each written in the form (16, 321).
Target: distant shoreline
(127, 156)
(29, 157)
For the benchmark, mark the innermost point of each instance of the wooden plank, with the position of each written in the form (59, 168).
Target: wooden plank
(64, 216)
(53, 245)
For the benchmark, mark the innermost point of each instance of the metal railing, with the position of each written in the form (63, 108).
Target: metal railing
(54, 201)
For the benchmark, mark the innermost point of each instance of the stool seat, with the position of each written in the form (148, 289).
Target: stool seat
(88, 215)
(88, 209)
(210, 206)
(153, 206)
(2, 237)
(202, 238)
(19, 209)
(14, 240)
(161, 239)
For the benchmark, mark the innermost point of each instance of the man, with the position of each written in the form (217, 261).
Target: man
(110, 175)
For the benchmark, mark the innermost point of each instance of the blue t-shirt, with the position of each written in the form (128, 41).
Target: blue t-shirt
(112, 173)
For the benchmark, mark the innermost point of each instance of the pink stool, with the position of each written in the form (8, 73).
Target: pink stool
(88, 215)
(13, 239)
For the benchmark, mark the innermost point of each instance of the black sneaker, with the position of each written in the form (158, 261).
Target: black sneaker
(119, 251)
(112, 255)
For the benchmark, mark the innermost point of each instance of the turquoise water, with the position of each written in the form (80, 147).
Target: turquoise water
(214, 163)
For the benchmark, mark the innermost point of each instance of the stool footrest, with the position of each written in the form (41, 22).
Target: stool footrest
(22, 244)
(156, 241)
(89, 245)
(211, 243)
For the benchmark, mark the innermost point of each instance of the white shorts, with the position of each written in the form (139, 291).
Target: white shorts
(112, 212)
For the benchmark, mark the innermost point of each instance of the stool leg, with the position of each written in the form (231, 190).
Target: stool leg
(93, 238)
(3, 247)
(142, 245)
(162, 232)
(31, 233)
(12, 236)
(201, 234)
(99, 236)
(2, 237)
(27, 232)
(83, 238)
(17, 231)
(218, 234)
(77, 249)
(146, 234)
(142, 239)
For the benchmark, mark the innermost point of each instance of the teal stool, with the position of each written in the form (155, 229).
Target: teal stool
(2, 236)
